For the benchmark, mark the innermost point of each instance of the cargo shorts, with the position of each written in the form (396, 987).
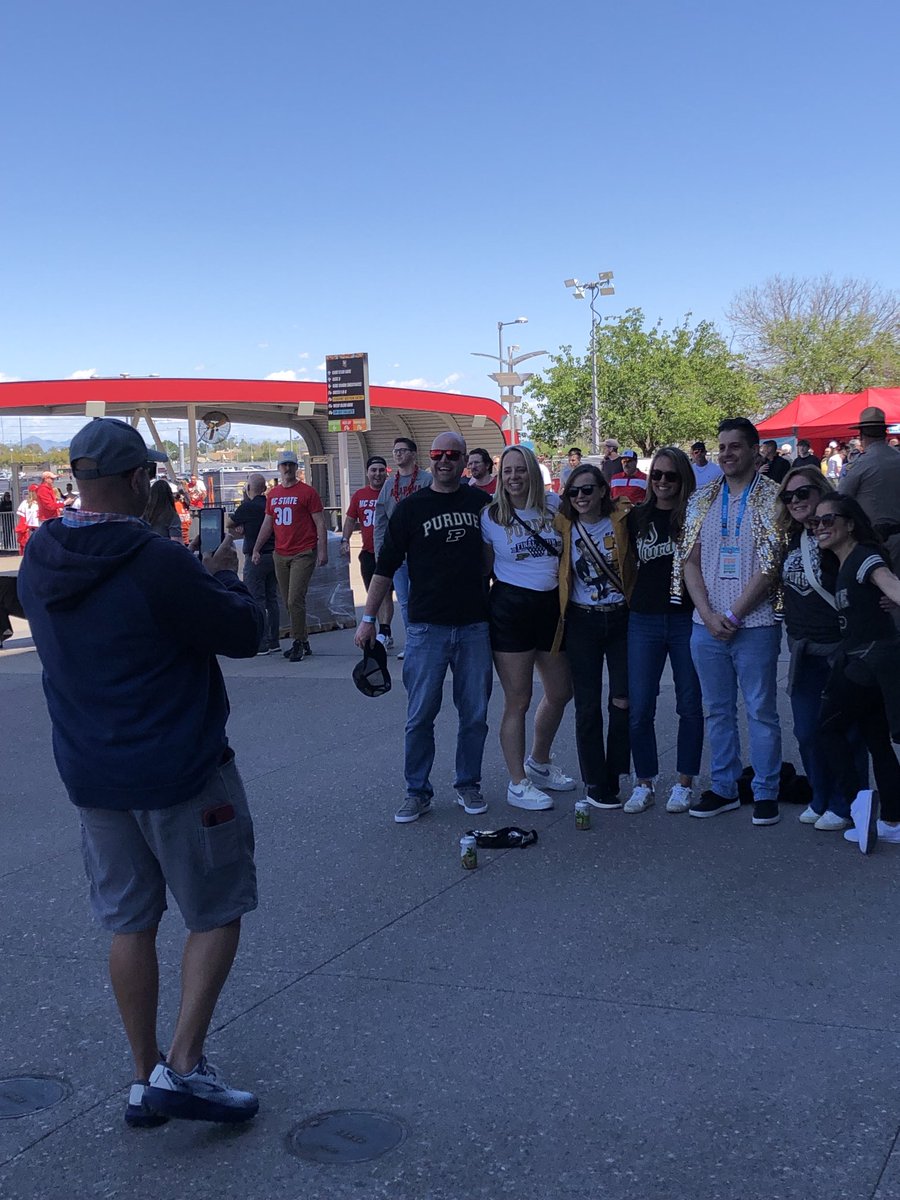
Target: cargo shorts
(201, 849)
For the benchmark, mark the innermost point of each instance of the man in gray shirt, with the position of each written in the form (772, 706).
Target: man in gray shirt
(873, 479)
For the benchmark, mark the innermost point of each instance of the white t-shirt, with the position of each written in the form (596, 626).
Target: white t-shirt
(589, 586)
(519, 558)
(706, 474)
(545, 475)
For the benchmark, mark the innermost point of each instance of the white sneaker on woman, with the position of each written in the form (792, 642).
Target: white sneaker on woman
(526, 795)
(680, 799)
(640, 799)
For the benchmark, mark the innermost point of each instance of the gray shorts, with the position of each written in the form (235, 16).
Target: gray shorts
(202, 849)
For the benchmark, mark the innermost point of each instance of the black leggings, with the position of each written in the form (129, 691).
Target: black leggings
(846, 705)
(592, 637)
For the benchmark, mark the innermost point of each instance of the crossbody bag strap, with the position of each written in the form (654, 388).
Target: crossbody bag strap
(810, 572)
(597, 558)
(537, 537)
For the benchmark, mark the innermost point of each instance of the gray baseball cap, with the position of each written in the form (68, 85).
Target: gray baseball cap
(107, 446)
(287, 457)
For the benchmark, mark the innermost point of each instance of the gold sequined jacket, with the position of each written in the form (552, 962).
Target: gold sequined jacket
(767, 537)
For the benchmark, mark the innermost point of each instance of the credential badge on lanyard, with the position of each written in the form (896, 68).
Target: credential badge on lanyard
(729, 552)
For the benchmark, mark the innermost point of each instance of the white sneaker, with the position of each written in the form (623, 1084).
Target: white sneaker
(886, 833)
(548, 776)
(680, 799)
(386, 640)
(809, 816)
(864, 811)
(831, 821)
(198, 1096)
(526, 795)
(640, 799)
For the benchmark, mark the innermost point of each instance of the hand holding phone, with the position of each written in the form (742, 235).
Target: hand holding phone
(224, 559)
(212, 530)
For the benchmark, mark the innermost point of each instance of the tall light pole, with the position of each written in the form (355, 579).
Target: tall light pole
(601, 286)
(509, 378)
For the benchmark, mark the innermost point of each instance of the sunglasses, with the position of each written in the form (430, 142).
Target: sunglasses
(450, 455)
(664, 476)
(584, 489)
(826, 520)
(800, 493)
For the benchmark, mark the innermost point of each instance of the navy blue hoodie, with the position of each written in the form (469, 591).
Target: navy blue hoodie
(128, 625)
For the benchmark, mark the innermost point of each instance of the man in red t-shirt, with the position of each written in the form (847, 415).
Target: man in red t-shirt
(361, 513)
(47, 498)
(294, 514)
(630, 483)
(480, 466)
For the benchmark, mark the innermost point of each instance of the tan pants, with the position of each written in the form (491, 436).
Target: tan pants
(293, 573)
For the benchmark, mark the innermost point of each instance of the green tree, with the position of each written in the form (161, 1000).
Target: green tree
(654, 386)
(817, 335)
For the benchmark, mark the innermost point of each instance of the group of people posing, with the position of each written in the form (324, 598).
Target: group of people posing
(584, 584)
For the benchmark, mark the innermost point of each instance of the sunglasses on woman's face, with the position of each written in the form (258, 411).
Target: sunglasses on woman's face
(584, 489)
(826, 520)
(664, 476)
(452, 455)
(800, 493)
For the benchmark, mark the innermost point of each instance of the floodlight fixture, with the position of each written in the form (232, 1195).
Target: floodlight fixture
(571, 282)
(607, 291)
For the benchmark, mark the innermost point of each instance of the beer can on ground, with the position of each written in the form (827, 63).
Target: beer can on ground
(582, 814)
(468, 854)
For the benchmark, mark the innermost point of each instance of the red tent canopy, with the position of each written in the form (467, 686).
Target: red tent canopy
(795, 418)
(841, 422)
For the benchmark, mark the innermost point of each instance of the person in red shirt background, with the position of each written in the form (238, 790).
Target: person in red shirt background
(294, 513)
(630, 482)
(361, 513)
(49, 504)
(481, 471)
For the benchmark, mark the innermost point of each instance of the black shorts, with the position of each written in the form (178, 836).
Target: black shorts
(367, 566)
(522, 619)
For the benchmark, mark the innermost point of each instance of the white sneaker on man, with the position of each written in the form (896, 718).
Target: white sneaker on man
(832, 822)
(526, 795)
(640, 799)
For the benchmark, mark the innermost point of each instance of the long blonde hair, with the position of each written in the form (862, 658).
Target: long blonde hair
(502, 510)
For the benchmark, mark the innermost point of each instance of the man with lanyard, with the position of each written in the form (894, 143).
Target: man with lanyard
(361, 513)
(259, 579)
(481, 471)
(437, 532)
(729, 558)
(406, 479)
(294, 513)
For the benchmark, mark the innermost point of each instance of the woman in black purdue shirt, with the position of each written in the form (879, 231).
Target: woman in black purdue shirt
(814, 635)
(864, 686)
(658, 629)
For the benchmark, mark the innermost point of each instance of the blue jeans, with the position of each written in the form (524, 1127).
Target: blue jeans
(401, 588)
(806, 702)
(749, 661)
(651, 637)
(430, 650)
(263, 587)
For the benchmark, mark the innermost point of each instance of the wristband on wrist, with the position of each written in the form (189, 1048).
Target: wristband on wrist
(735, 621)
(367, 620)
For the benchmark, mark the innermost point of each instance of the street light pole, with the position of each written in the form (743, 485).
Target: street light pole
(510, 377)
(599, 287)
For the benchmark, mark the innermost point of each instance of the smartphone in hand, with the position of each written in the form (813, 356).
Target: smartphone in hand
(212, 530)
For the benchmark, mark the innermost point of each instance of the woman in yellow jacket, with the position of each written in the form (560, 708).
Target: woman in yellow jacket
(596, 575)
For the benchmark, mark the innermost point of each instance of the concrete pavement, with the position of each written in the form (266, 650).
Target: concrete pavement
(659, 1007)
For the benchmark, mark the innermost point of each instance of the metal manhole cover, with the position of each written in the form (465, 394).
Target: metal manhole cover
(24, 1094)
(346, 1136)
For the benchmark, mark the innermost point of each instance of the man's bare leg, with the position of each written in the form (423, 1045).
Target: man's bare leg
(134, 972)
(205, 965)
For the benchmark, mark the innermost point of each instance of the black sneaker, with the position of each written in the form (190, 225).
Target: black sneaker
(138, 1115)
(295, 654)
(765, 812)
(306, 649)
(602, 800)
(711, 804)
(262, 650)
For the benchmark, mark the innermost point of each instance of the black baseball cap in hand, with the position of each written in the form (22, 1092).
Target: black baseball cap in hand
(371, 673)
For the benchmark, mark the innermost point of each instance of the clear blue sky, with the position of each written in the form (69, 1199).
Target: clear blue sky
(236, 189)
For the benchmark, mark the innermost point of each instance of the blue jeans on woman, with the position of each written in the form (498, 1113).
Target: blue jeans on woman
(651, 638)
(430, 650)
(806, 702)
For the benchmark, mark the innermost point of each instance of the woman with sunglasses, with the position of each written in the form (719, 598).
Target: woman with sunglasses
(657, 630)
(522, 549)
(810, 617)
(594, 580)
(863, 688)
